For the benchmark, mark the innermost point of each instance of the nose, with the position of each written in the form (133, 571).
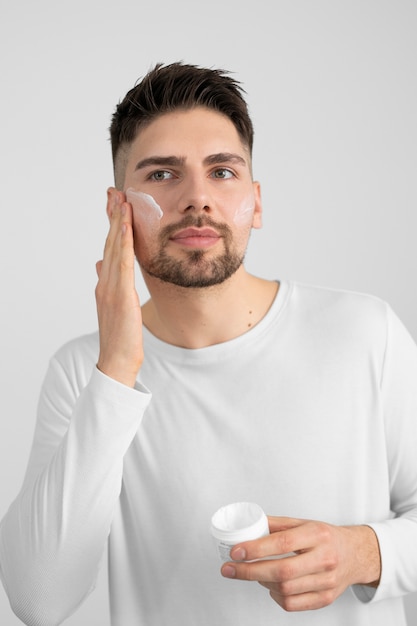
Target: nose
(195, 196)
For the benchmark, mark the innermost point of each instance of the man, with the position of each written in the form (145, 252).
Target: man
(300, 399)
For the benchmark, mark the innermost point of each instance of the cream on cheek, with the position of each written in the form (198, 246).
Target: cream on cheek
(244, 212)
(146, 211)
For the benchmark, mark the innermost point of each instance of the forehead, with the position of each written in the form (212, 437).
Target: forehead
(198, 130)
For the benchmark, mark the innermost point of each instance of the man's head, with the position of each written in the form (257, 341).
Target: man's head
(173, 87)
(182, 142)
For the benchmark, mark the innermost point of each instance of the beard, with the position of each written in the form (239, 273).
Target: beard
(195, 270)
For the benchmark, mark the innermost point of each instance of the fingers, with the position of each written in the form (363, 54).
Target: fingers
(120, 217)
(293, 582)
(284, 539)
(277, 524)
(272, 570)
(118, 306)
(313, 575)
(308, 601)
(301, 585)
(114, 199)
(297, 583)
(118, 253)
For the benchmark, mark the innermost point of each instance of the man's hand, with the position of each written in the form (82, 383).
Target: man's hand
(118, 307)
(325, 560)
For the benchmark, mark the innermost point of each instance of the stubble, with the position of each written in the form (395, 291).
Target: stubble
(197, 268)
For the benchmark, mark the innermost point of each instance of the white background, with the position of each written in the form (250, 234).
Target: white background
(332, 91)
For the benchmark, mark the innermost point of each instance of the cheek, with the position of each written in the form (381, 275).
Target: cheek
(147, 213)
(243, 211)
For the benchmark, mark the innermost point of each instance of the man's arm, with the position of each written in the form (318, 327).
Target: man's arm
(330, 558)
(53, 537)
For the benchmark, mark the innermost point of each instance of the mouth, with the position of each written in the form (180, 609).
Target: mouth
(196, 237)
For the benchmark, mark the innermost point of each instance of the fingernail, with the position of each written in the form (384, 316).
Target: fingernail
(228, 571)
(238, 554)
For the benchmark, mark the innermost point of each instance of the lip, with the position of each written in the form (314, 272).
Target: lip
(196, 237)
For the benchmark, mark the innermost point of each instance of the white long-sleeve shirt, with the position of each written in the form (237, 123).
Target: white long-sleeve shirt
(312, 414)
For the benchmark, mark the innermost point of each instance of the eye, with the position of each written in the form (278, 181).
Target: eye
(222, 173)
(160, 175)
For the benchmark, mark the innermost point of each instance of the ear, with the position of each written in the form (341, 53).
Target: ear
(257, 214)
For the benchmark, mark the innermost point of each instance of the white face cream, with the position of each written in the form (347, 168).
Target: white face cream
(145, 209)
(244, 212)
(148, 212)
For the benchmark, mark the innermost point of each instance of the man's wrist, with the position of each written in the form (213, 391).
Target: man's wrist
(366, 556)
(121, 376)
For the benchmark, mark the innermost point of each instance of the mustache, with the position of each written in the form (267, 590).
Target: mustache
(193, 221)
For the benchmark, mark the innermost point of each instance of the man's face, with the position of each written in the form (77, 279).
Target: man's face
(192, 226)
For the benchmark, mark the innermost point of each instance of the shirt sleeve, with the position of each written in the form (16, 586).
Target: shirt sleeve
(53, 537)
(397, 537)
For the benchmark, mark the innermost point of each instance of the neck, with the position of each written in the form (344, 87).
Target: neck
(197, 318)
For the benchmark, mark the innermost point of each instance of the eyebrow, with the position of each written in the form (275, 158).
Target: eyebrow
(224, 157)
(169, 161)
(174, 161)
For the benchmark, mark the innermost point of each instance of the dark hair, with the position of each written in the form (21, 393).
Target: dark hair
(179, 86)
